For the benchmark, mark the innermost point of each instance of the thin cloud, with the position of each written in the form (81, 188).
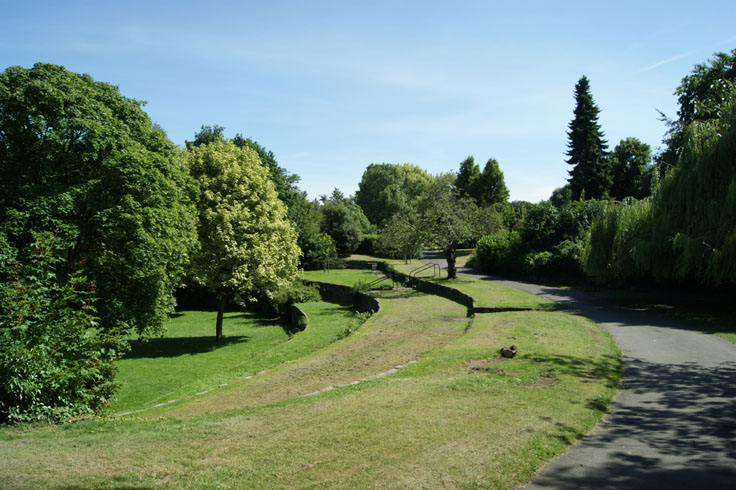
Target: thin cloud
(656, 65)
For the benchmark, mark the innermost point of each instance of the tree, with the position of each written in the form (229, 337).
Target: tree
(342, 226)
(700, 94)
(491, 187)
(446, 221)
(590, 177)
(247, 245)
(466, 181)
(80, 160)
(631, 172)
(55, 363)
(386, 189)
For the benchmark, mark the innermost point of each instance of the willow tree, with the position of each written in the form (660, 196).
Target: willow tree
(694, 212)
(247, 244)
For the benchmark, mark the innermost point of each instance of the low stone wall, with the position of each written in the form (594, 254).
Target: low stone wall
(337, 293)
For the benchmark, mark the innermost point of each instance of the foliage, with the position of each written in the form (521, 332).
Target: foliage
(491, 187)
(447, 222)
(353, 325)
(631, 169)
(590, 176)
(497, 252)
(466, 180)
(368, 244)
(688, 230)
(701, 95)
(620, 242)
(247, 245)
(80, 160)
(344, 222)
(297, 292)
(398, 238)
(386, 189)
(55, 363)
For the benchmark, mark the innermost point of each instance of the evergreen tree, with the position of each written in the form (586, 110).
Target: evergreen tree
(490, 186)
(467, 178)
(590, 177)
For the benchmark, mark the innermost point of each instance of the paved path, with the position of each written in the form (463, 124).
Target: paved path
(672, 424)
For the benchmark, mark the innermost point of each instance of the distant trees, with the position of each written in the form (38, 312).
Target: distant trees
(344, 222)
(590, 176)
(386, 189)
(447, 221)
(247, 245)
(631, 169)
(485, 188)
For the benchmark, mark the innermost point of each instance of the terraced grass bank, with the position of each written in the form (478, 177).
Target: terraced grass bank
(455, 415)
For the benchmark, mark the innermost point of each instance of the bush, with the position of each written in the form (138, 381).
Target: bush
(368, 245)
(298, 292)
(55, 363)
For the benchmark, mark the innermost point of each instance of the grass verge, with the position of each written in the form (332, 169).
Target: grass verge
(346, 277)
(461, 417)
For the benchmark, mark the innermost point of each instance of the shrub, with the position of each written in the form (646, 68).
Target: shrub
(368, 244)
(55, 363)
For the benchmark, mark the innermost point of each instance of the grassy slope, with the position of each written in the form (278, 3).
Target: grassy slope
(346, 277)
(435, 423)
(484, 293)
(187, 360)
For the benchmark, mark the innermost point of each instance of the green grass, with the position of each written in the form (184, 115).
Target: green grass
(460, 417)
(346, 277)
(188, 360)
(485, 293)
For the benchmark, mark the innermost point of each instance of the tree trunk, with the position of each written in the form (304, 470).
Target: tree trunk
(220, 312)
(450, 257)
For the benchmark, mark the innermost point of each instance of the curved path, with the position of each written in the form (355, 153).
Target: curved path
(672, 424)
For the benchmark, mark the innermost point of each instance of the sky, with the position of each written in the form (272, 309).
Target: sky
(331, 87)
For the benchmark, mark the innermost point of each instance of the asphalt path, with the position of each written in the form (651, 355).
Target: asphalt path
(673, 422)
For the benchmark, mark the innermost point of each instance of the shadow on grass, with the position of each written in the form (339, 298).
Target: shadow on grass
(607, 368)
(177, 346)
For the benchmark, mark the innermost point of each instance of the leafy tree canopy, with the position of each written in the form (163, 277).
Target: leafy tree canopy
(247, 244)
(491, 186)
(80, 160)
(631, 169)
(386, 189)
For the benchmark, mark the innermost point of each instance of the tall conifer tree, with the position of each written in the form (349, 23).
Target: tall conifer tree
(467, 178)
(590, 176)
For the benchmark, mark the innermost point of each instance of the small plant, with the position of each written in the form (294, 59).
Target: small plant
(353, 325)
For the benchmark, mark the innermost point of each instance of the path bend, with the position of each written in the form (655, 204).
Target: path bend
(672, 424)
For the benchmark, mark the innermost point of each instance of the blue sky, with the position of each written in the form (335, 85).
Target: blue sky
(331, 87)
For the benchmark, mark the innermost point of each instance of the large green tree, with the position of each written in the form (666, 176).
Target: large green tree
(631, 169)
(701, 94)
(468, 175)
(491, 186)
(247, 244)
(590, 176)
(386, 189)
(80, 160)
(446, 221)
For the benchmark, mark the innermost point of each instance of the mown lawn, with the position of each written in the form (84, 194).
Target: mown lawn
(485, 293)
(459, 417)
(346, 277)
(188, 360)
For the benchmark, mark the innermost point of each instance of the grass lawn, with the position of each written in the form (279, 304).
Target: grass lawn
(485, 293)
(188, 360)
(346, 277)
(460, 417)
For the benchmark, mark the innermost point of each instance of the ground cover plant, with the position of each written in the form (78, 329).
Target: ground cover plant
(453, 414)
